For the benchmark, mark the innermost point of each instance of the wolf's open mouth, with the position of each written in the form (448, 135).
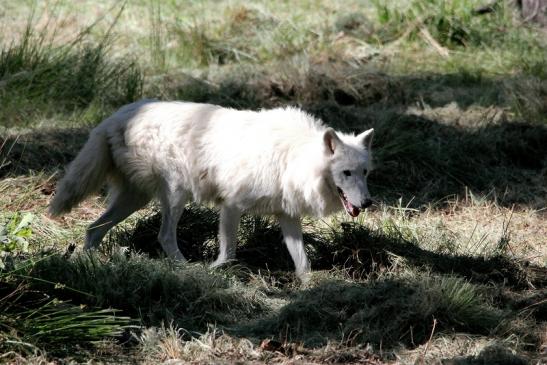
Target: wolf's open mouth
(351, 209)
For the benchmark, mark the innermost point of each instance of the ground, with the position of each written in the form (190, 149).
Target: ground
(449, 266)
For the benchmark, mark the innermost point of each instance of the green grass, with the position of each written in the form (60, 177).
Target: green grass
(40, 75)
(190, 296)
(450, 263)
(357, 312)
(32, 319)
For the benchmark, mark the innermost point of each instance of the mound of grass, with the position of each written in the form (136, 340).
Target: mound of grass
(155, 290)
(387, 311)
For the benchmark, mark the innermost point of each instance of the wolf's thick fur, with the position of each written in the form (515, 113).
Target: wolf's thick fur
(281, 161)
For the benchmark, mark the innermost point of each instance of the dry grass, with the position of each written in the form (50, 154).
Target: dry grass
(481, 228)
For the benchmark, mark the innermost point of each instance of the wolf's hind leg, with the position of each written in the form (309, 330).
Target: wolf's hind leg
(172, 206)
(227, 234)
(292, 234)
(124, 202)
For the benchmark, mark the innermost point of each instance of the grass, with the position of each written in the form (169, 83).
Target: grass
(450, 264)
(38, 73)
(355, 312)
(32, 319)
(191, 297)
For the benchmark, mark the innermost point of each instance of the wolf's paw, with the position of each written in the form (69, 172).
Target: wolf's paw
(175, 255)
(220, 262)
(304, 277)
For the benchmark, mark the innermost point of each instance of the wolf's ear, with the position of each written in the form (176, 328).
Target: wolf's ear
(365, 138)
(331, 141)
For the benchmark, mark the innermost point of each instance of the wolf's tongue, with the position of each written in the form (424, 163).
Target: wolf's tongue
(351, 209)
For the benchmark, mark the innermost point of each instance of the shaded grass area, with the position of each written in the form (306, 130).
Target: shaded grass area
(362, 250)
(355, 248)
(42, 150)
(154, 291)
(386, 311)
(390, 309)
(32, 319)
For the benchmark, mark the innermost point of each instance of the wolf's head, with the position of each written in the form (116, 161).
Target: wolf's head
(350, 165)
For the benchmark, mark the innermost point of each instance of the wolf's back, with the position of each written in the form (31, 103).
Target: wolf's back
(85, 175)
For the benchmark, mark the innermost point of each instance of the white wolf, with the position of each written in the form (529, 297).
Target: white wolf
(282, 162)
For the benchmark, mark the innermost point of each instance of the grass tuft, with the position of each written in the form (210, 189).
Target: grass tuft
(32, 319)
(37, 72)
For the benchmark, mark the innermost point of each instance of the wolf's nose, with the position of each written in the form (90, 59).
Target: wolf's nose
(366, 203)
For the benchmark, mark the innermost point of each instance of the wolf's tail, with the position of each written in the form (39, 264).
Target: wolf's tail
(85, 175)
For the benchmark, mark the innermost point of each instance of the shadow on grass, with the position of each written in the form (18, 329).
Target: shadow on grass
(417, 157)
(357, 250)
(386, 311)
(38, 151)
(354, 248)
(378, 311)
(362, 251)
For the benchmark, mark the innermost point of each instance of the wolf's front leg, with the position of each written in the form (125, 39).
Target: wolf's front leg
(292, 234)
(172, 206)
(227, 234)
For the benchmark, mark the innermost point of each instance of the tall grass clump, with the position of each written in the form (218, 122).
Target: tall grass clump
(36, 73)
(246, 34)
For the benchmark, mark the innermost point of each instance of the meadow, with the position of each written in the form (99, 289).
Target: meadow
(449, 266)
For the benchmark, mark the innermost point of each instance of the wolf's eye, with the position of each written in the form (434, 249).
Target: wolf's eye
(347, 172)
(365, 171)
